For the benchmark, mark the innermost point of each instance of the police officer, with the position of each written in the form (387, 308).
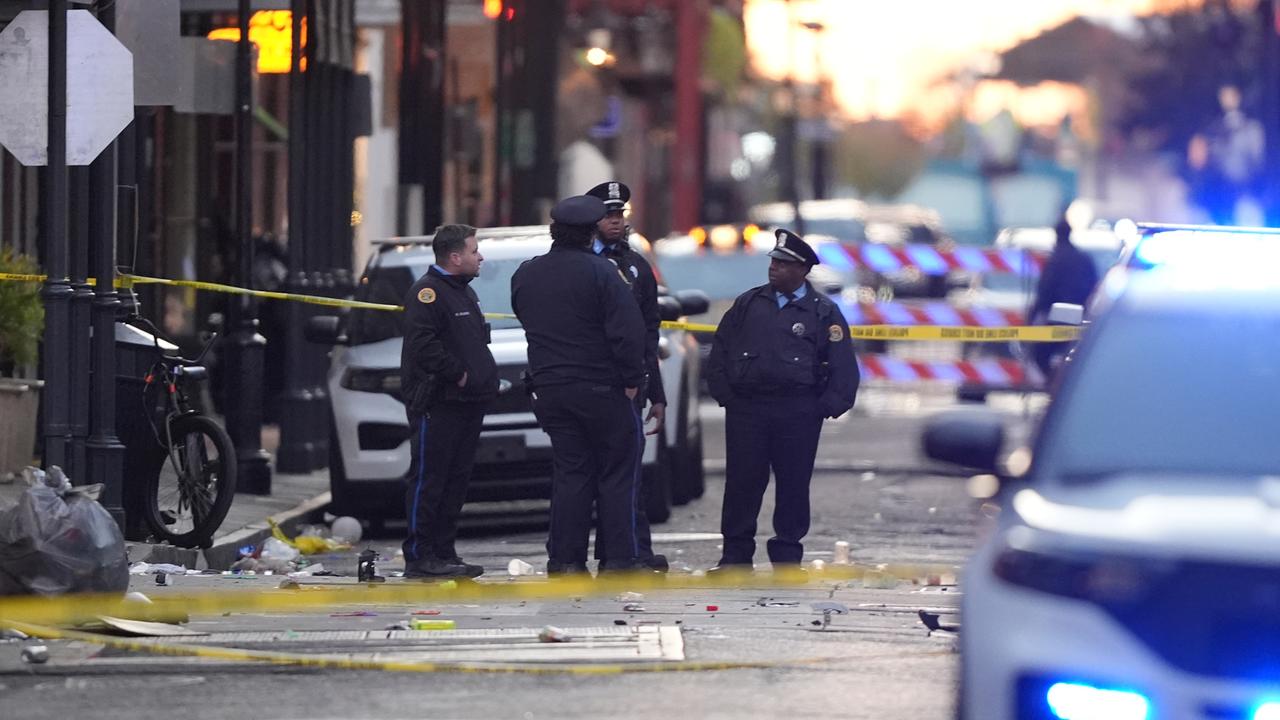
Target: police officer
(611, 243)
(448, 377)
(586, 360)
(781, 361)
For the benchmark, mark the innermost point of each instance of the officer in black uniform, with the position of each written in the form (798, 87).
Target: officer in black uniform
(611, 243)
(448, 377)
(782, 361)
(586, 360)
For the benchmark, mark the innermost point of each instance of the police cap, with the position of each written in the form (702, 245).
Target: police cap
(792, 248)
(614, 194)
(578, 210)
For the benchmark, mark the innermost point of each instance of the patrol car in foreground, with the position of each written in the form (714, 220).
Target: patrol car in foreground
(1133, 572)
(369, 450)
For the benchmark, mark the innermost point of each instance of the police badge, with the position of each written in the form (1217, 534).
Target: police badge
(797, 329)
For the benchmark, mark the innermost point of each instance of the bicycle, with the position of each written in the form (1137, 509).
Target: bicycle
(188, 498)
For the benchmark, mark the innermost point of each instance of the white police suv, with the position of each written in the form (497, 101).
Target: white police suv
(1133, 572)
(369, 447)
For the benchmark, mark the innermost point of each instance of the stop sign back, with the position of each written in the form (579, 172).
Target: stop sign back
(99, 87)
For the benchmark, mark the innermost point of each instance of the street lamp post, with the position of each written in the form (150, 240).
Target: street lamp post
(246, 347)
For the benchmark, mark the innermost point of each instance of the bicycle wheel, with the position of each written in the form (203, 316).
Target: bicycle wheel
(189, 498)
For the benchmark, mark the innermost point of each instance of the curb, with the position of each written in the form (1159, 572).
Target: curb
(225, 550)
(716, 466)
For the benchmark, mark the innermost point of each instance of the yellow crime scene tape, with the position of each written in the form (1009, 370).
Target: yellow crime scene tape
(966, 334)
(41, 616)
(78, 609)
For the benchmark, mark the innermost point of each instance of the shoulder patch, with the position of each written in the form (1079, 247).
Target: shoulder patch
(426, 296)
(835, 333)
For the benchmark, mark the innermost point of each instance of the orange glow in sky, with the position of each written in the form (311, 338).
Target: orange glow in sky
(885, 58)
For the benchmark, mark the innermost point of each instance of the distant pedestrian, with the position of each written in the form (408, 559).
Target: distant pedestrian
(448, 377)
(611, 243)
(586, 361)
(1069, 276)
(781, 362)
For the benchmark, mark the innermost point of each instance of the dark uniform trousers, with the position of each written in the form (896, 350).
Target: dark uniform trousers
(644, 536)
(443, 446)
(597, 436)
(762, 433)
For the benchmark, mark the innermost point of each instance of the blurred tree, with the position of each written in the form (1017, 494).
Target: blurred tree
(1189, 56)
(878, 157)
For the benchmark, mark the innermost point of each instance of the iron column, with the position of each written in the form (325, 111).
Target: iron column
(246, 349)
(57, 288)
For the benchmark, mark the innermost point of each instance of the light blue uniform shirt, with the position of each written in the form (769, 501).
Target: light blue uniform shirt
(799, 293)
(440, 270)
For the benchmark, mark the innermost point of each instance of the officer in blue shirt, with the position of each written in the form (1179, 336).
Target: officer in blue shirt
(781, 362)
(611, 244)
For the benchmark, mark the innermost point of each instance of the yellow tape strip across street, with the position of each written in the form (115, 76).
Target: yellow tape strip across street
(75, 609)
(860, 332)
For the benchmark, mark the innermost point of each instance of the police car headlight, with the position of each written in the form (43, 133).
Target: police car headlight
(373, 381)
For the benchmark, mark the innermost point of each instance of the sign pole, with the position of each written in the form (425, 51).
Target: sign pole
(57, 288)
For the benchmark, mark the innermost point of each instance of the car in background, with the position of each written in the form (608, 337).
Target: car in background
(855, 223)
(1131, 571)
(369, 451)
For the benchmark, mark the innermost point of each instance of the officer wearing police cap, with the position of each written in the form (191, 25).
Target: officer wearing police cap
(781, 362)
(586, 361)
(611, 243)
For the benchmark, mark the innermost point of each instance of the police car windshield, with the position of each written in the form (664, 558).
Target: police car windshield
(390, 284)
(1175, 394)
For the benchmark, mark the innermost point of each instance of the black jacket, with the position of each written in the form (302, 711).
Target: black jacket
(761, 350)
(579, 318)
(644, 286)
(445, 336)
(1069, 276)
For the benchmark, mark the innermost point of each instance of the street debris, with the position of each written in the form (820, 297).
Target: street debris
(142, 568)
(289, 584)
(553, 634)
(828, 608)
(357, 613)
(35, 654)
(10, 635)
(713, 608)
(931, 622)
(309, 571)
(629, 597)
(841, 554)
(367, 569)
(770, 602)
(633, 607)
(818, 565)
(619, 622)
(346, 529)
(164, 579)
(58, 539)
(307, 544)
(421, 624)
(426, 612)
(518, 567)
(401, 625)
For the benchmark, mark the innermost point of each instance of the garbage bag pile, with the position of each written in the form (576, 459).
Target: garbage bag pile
(58, 539)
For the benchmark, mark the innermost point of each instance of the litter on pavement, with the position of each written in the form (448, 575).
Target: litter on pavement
(552, 634)
(57, 539)
(518, 567)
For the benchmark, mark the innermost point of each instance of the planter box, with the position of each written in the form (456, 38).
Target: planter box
(19, 405)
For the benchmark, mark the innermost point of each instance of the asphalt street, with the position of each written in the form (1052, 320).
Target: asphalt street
(876, 660)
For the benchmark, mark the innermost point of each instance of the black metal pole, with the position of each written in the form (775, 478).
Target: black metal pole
(246, 356)
(297, 452)
(104, 449)
(57, 288)
(81, 301)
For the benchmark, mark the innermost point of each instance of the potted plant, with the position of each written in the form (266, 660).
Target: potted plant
(21, 325)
